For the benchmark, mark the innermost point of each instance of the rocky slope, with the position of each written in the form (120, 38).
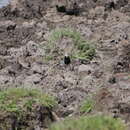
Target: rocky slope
(25, 27)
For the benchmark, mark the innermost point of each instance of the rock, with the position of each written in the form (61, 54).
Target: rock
(85, 31)
(34, 49)
(7, 25)
(17, 52)
(3, 50)
(4, 79)
(126, 9)
(36, 68)
(3, 63)
(29, 24)
(121, 3)
(84, 70)
(61, 85)
(23, 63)
(33, 79)
(14, 69)
(64, 112)
(106, 99)
(98, 72)
(124, 84)
(122, 110)
(112, 80)
(20, 79)
(123, 80)
(70, 77)
(110, 5)
(88, 82)
(123, 58)
(71, 97)
(99, 11)
(42, 25)
(27, 9)
(56, 18)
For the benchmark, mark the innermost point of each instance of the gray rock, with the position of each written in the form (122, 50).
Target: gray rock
(64, 112)
(71, 97)
(88, 82)
(36, 68)
(84, 70)
(20, 79)
(29, 24)
(85, 30)
(70, 77)
(34, 49)
(4, 79)
(33, 79)
(7, 25)
(23, 63)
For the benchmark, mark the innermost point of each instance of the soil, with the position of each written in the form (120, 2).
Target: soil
(24, 29)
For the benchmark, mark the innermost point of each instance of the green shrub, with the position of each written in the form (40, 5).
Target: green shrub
(87, 106)
(57, 34)
(90, 123)
(82, 49)
(18, 100)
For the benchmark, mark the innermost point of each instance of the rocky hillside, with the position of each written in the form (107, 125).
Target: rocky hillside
(34, 38)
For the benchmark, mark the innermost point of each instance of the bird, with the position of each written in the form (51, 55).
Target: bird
(61, 9)
(67, 60)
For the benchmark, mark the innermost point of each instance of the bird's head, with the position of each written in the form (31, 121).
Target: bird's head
(66, 55)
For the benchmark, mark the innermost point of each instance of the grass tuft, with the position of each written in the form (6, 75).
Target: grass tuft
(90, 123)
(87, 106)
(18, 100)
(82, 49)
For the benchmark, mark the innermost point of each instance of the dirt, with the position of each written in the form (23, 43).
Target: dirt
(24, 29)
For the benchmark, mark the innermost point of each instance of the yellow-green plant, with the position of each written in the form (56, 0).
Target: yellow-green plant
(17, 100)
(87, 106)
(82, 48)
(97, 122)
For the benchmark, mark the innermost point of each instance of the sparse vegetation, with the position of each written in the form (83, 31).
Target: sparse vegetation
(90, 123)
(87, 106)
(17, 100)
(48, 58)
(70, 57)
(82, 48)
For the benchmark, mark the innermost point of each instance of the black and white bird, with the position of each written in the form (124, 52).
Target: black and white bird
(67, 60)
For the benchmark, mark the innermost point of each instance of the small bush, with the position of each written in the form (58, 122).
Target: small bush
(82, 49)
(87, 106)
(59, 33)
(18, 100)
(90, 123)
